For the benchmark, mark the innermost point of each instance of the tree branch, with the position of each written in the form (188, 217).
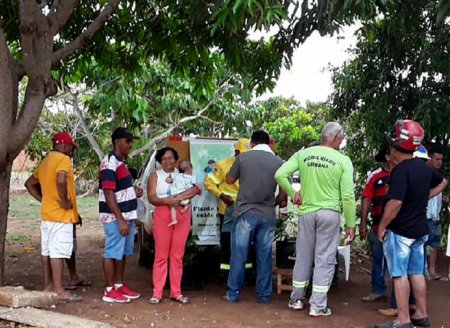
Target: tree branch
(152, 142)
(86, 130)
(206, 118)
(28, 26)
(61, 13)
(25, 124)
(84, 37)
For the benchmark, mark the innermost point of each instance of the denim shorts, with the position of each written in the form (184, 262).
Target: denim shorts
(404, 256)
(116, 245)
(434, 234)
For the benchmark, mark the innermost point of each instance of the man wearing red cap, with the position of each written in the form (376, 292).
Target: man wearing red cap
(53, 185)
(403, 228)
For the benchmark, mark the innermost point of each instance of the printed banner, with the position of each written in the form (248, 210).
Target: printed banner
(205, 217)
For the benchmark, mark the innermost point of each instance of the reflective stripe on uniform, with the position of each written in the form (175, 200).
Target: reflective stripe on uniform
(320, 289)
(224, 266)
(300, 284)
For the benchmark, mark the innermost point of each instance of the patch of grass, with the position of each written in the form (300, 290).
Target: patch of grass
(25, 207)
(88, 207)
(16, 238)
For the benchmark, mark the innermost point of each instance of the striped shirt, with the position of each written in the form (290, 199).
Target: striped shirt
(376, 190)
(114, 175)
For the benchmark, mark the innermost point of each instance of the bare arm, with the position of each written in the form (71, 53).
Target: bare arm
(151, 193)
(281, 198)
(61, 186)
(365, 206)
(391, 210)
(438, 189)
(34, 188)
(230, 179)
(114, 208)
(199, 188)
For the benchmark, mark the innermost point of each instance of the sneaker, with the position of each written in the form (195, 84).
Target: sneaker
(373, 298)
(296, 304)
(232, 297)
(230, 300)
(320, 313)
(128, 293)
(114, 296)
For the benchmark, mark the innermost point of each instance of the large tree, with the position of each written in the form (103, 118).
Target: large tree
(28, 32)
(40, 38)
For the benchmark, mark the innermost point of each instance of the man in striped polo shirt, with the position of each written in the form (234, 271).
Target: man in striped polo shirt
(373, 195)
(118, 211)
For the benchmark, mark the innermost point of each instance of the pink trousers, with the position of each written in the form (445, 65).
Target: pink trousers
(170, 243)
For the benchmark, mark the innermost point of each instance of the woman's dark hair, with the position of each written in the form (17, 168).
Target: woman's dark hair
(161, 152)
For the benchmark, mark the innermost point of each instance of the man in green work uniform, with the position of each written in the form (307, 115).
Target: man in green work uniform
(327, 182)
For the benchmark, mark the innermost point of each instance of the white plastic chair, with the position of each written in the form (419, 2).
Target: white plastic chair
(345, 252)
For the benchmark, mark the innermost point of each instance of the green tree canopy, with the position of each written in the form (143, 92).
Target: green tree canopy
(291, 125)
(399, 70)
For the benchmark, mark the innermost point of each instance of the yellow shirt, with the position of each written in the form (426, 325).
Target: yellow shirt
(216, 184)
(47, 174)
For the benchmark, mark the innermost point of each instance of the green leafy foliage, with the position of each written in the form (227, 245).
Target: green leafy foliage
(292, 126)
(399, 70)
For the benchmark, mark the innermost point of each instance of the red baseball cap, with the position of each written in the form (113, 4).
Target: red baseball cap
(64, 138)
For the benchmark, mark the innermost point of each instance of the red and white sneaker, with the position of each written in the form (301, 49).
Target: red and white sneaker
(114, 296)
(128, 293)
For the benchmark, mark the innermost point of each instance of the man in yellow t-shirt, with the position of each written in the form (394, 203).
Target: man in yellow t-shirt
(215, 183)
(53, 185)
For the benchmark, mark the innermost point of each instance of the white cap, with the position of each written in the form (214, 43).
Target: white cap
(421, 153)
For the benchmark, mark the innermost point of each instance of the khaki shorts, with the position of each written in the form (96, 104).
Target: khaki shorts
(56, 239)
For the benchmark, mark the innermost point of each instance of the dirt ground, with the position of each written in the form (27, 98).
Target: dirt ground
(207, 307)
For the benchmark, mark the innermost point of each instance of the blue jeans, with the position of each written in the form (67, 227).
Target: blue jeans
(378, 264)
(434, 234)
(261, 230)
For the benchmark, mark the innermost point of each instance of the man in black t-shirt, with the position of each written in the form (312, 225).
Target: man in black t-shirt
(403, 227)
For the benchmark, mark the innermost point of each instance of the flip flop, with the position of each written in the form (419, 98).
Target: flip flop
(438, 277)
(71, 299)
(81, 283)
(180, 299)
(155, 300)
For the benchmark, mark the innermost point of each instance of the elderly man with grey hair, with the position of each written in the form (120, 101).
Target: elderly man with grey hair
(327, 184)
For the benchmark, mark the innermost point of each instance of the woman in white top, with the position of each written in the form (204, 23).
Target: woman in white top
(170, 241)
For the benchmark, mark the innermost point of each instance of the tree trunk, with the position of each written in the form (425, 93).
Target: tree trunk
(5, 178)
